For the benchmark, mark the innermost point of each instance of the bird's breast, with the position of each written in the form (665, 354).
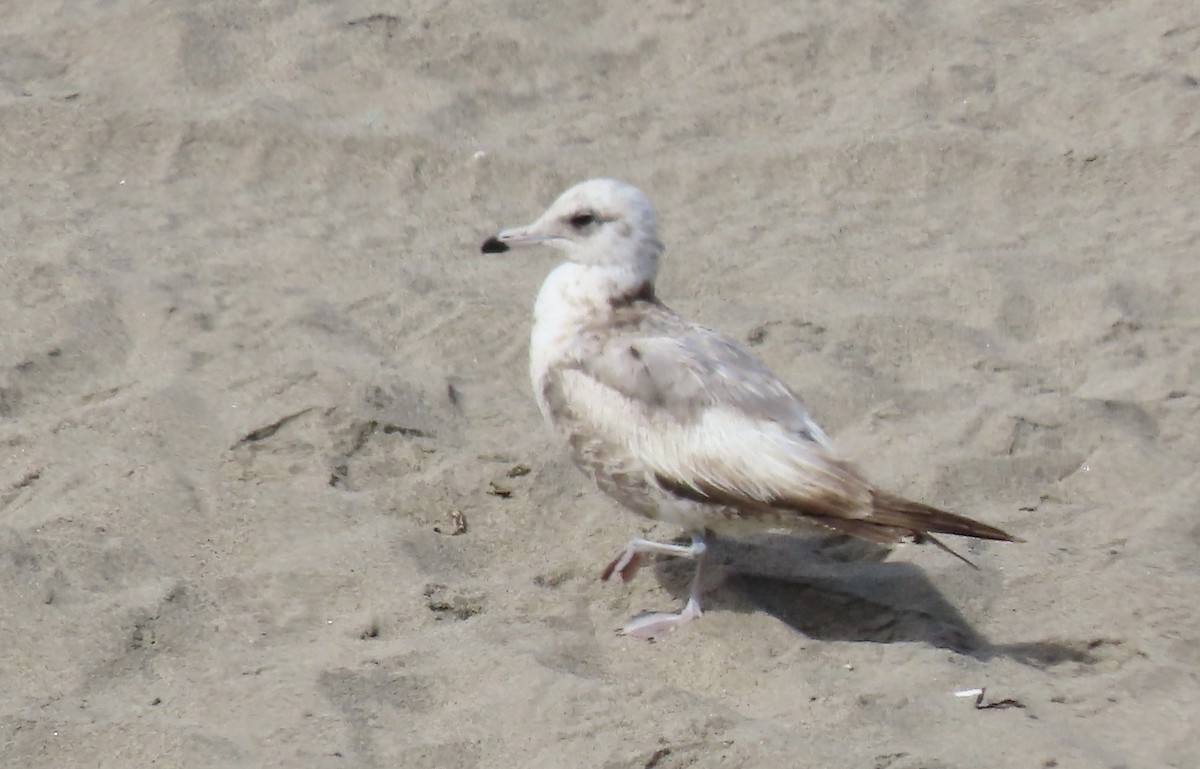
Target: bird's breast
(561, 318)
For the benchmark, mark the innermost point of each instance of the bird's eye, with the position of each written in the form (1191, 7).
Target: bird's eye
(579, 221)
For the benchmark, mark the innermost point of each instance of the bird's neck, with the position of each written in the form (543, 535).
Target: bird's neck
(584, 293)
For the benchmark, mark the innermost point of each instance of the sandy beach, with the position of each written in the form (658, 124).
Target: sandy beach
(273, 487)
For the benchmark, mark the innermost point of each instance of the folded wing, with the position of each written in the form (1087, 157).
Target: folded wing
(712, 424)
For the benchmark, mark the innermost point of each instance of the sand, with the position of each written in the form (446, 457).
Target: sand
(255, 377)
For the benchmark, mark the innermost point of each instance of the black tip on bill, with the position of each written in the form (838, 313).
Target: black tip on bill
(493, 245)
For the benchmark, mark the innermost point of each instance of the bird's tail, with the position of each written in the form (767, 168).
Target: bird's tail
(922, 519)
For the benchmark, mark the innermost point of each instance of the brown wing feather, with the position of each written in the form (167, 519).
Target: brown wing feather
(892, 518)
(918, 518)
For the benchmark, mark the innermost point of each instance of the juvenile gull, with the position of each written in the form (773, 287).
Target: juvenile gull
(675, 421)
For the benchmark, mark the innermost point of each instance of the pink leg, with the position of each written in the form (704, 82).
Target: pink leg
(630, 560)
(654, 625)
(626, 565)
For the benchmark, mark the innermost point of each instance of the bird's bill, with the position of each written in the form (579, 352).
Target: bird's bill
(516, 236)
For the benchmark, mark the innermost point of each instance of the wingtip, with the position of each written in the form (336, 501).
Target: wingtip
(892, 510)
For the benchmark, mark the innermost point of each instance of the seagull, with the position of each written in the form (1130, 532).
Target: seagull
(677, 422)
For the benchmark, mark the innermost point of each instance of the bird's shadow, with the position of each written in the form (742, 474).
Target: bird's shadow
(840, 589)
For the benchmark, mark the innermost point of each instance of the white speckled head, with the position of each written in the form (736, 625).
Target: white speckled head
(600, 222)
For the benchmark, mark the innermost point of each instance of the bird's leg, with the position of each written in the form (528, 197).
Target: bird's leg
(655, 624)
(630, 560)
